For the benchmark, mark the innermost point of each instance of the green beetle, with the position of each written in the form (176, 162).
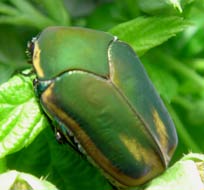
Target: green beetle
(97, 91)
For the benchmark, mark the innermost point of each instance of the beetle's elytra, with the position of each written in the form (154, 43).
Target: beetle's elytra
(97, 90)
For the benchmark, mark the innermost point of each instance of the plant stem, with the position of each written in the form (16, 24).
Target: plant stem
(183, 134)
(180, 68)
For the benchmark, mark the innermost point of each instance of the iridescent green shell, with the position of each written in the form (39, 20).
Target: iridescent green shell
(97, 88)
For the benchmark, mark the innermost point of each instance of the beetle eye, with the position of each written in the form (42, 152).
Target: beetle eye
(30, 49)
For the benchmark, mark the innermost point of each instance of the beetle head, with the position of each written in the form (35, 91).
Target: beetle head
(30, 49)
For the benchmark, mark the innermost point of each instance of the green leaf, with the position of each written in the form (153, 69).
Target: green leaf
(21, 117)
(23, 13)
(3, 165)
(159, 7)
(176, 4)
(12, 55)
(145, 33)
(5, 72)
(12, 180)
(56, 10)
(59, 163)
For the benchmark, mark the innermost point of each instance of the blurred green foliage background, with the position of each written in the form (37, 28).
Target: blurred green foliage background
(176, 66)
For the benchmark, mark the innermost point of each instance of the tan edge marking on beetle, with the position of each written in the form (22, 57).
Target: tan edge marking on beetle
(145, 156)
(36, 60)
(111, 68)
(91, 149)
(163, 136)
